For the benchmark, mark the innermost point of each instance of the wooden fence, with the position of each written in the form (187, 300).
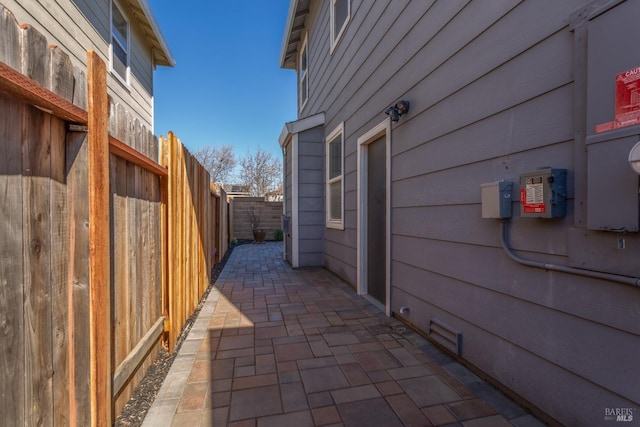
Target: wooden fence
(193, 207)
(269, 216)
(90, 280)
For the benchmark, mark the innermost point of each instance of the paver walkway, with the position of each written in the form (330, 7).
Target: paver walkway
(279, 347)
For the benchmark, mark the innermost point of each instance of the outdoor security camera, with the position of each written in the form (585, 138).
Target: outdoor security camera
(396, 110)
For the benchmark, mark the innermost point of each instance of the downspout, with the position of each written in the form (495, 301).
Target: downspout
(633, 281)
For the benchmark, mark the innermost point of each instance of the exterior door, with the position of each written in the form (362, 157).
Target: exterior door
(376, 220)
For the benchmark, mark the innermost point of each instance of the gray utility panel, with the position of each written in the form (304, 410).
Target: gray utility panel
(612, 186)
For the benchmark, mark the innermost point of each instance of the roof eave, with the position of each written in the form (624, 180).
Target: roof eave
(301, 125)
(298, 11)
(161, 53)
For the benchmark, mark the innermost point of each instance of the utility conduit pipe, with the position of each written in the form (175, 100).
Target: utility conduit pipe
(633, 281)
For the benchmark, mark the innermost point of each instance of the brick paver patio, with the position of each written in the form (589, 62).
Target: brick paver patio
(279, 347)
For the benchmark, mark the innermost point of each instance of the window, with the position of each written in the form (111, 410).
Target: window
(340, 15)
(119, 43)
(303, 75)
(335, 182)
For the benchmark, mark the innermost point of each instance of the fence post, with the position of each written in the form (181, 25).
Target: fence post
(99, 242)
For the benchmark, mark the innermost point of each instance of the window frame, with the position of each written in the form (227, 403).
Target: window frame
(126, 79)
(303, 75)
(335, 38)
(332, 222)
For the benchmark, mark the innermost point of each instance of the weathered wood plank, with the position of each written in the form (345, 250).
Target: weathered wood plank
(125, 130)
(36, 158)
(132, 224)
(118, 300)
(120, 257)
(100, 324)
(146, 280)
(12, 358)
(35, 61)
(61, 80)
(181, 206)
(132, 236)
(126, 368)
(79, 345)
(120, 279)
(165, 213)
(59, 274)
(141, 285)
(80, 89)
(10, 52)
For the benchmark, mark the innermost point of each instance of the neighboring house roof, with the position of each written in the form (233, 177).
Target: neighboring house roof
(298, 11)
(147, 22)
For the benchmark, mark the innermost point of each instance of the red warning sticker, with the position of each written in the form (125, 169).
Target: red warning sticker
(628, 98)
(627, 107)
(532, 196)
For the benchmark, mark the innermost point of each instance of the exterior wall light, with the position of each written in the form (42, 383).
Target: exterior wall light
(396, 110)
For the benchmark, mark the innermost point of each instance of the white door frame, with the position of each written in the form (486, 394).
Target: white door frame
(382, 129)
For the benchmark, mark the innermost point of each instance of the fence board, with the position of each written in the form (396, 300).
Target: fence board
(146, 282)
(120, 216)
(60, 76)
(12, 386)
(37, 268)
(79, 351)
(59, 275)
(34, 53)
(191, 212)
(10, 52)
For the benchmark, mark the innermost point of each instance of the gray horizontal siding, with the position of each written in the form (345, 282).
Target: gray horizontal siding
(340, 258)
(310, 163)
(77, 26)
(545, 118)
(550, 386)
(492, 96)
(570, 346)
(463, 224)
(98, 13)
(461, 185)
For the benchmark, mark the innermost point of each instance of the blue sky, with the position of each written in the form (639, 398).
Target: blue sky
(227, 86)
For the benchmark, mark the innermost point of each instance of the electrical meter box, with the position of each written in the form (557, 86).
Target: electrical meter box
(543, 193)
(496, 199)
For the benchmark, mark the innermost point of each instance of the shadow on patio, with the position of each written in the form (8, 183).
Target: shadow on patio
(274, 346)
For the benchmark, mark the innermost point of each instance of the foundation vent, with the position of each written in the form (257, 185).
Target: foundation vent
(446, 336)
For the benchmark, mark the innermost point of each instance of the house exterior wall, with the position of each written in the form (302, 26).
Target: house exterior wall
(310, 163)
(81, 25)
(304, 197)
(495, 92)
